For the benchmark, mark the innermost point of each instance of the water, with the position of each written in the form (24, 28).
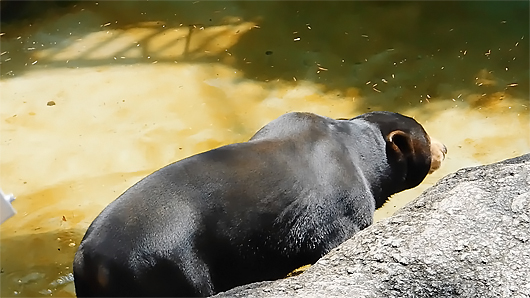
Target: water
(93, 99)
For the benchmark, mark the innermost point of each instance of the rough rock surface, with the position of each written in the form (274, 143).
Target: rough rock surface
(467, 236)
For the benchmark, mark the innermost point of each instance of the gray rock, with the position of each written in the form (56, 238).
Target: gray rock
(467, 236)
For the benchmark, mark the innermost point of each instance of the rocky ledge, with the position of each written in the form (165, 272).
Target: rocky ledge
(468, 236)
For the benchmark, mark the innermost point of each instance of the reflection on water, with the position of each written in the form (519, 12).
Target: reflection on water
(93, 99)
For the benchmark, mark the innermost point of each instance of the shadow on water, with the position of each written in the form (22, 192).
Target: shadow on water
(39, 243)
(351, 53)
(43, 265)
(421, 41)
(13, 11)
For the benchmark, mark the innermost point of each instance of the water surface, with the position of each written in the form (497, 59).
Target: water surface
(95, 96)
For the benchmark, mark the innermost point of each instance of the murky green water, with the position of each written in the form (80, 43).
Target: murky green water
(98, 95)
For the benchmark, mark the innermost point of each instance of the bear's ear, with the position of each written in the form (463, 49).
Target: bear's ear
(401, 142)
